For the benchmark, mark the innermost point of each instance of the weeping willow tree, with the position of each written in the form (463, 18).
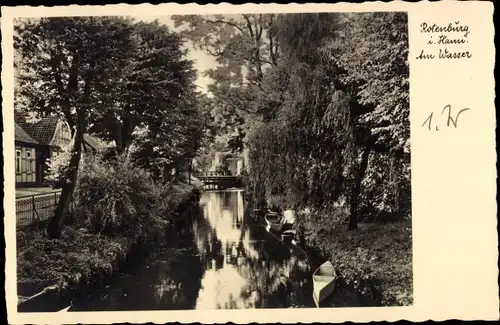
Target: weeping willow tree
(329, 115)
(304, 155)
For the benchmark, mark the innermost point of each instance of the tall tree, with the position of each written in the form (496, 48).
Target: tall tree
(244, 47)
(372, 50)
(153, 84)
(70, 67)
(332, 110)
(173, 139)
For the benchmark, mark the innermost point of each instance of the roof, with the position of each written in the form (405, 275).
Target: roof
(93, 142)
(42, 130)
(22, 136)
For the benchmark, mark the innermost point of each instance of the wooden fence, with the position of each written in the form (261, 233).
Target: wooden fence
(36, 208)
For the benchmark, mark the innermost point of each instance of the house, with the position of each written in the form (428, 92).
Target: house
(36, 142)
(234, 163)
(26, 153)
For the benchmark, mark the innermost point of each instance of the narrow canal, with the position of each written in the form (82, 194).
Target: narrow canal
(221, 260)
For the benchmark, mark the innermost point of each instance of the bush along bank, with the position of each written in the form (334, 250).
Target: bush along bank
(119, 210)
(373, 263)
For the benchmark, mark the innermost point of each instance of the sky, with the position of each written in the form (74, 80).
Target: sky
(202, 61)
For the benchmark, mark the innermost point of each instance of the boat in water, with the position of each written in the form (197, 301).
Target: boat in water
(65, 309)
(258, 214)
(323, 282)
(288, 235)
(275, 221)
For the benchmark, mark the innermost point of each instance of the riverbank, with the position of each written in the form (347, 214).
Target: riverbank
(79, 258)
(374, 263)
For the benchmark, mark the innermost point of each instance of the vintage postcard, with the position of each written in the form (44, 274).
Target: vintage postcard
(251, 163)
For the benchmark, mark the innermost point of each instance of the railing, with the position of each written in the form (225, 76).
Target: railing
(212, 174)
(219, 181)
(216, 174)
(36, 208)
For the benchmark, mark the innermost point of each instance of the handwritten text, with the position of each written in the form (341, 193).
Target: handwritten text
(445, 41)
(451, 118)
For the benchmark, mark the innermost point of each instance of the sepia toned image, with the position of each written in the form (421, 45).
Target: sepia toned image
(249, 164)
(212, 162)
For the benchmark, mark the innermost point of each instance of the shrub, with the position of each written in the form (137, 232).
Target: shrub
(386, 190)
(57, 167)
(78, 255)
(118, 197)
(320, 223)
(375, 260)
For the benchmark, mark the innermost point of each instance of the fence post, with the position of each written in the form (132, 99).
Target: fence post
(33, 214)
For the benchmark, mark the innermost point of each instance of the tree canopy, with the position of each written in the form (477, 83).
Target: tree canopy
(317, 97)
(125, 81)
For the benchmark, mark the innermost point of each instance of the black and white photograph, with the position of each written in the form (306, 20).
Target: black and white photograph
(225, 161)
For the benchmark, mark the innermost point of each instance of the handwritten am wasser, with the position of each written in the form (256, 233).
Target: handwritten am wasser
(442, 39)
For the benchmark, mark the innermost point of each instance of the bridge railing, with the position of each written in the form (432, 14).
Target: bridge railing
(215, 174)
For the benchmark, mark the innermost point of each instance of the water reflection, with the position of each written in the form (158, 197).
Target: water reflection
(252, 269)
(222, 260)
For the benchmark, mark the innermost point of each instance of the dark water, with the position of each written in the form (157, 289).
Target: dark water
(222, 260)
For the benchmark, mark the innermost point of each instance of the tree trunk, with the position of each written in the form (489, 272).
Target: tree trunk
(123, 135)
(56, 223)
(356, 188)
(118, 137)
(189, 172)
(396, 171)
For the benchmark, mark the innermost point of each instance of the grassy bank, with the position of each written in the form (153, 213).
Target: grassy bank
(79, 257)
(373, 262)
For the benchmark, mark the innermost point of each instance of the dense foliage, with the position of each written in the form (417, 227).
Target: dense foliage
(319, 102)
(127, 82)
(77, 257)
(339, 135)
(116, 205)
(375, 261)
(322, 101)
(118, 197)
(57, 167)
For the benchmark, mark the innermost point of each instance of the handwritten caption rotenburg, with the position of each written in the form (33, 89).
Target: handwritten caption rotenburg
(445, 41)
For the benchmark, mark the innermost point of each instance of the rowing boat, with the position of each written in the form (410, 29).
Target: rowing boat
(258, 213)
(288, 234)
(65, 309)
(274, 221)
(323, 282)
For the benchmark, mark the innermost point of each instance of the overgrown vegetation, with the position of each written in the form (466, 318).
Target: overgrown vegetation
(319, 101)
(375, 260)
(109, 76)
(78, 256)
(322, 100)
(117, 205)
(120, 198)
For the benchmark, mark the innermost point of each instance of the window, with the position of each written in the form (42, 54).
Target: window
(28, 161)
(18, 161)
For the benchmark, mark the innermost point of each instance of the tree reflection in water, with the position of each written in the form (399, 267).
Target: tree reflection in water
(221, 260)
(169, 278)
(253, 269)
